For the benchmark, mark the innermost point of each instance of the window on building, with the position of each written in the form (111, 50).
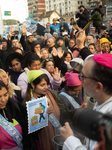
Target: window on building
(78, 2)
(81, 2)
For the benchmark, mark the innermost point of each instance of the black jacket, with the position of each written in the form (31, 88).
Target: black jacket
(25, 44)
(83, 18)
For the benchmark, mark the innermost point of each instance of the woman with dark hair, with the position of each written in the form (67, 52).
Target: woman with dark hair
(36, 47)
(72, 90)
(32, 62)
(18, 50)
(62, 60)
(14, 66)
(92, 48)
(38, 83)
(13, 122)
(73, 47)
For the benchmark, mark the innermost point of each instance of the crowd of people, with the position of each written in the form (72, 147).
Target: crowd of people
(68, 65)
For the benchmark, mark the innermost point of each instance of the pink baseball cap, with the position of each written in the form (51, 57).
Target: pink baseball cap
(72, 79)
(104, 59)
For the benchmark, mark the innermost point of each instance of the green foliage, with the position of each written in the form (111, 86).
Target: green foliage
(10, 22)
(96, 17)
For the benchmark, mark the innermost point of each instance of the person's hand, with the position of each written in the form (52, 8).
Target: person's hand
(50, 109)
(63, 79)
(80, 39)
(84, 105)
(66, 131)
(11, 33)
(98, 45)
(0, 46)
(39, 54)
(54, 52)
(56, 74)
(24, 30)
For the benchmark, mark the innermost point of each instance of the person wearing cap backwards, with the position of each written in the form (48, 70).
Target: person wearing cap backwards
(26, 39)
(105, 45)
(96, 78)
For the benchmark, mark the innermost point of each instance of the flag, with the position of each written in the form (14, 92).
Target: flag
(40, 30)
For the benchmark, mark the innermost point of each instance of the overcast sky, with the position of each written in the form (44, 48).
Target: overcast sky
(18, 8)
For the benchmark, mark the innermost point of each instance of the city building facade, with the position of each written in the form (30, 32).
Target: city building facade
(62, 7)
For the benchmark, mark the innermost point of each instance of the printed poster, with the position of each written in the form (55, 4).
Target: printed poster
(37, 114)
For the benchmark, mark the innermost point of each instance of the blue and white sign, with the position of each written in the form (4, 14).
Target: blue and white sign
(37, 114)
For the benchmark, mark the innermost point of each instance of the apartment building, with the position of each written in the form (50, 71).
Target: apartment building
(62, 7)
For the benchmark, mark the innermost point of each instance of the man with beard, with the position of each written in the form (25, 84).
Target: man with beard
(96, 78)
(26, 39)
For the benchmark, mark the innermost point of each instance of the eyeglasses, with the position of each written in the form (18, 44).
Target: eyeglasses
(81, 77)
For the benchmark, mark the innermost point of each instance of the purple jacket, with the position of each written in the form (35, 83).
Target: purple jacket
(23, 81)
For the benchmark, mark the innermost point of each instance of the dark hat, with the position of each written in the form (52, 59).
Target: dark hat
(34, 43)
(61, 18)
(59, 38)
(103, 27)
(13, 56)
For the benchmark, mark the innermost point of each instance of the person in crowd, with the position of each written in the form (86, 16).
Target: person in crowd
(48, 64)
(73, 47)
(50, 44)
(26, 39)
(36, 47)
(18, 50)
(89, 40)
(60, 43)
(66, 38)
(14, 91)
(67, 57)
(73, 90)
(102, 92)
(63, 25)
(70, 25)
(83, 16)
(98, 8)
(39, 82)
(14, 66)
(75, 29)
(55, 35)
(99, 88)
(105, 45)
(4, 44)
(55, 27)
(93, 32)
(62, 59)
(92, 48)
(15, 43)
(47, 30)
(45, 54)
(13, 122)
(33, 62)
